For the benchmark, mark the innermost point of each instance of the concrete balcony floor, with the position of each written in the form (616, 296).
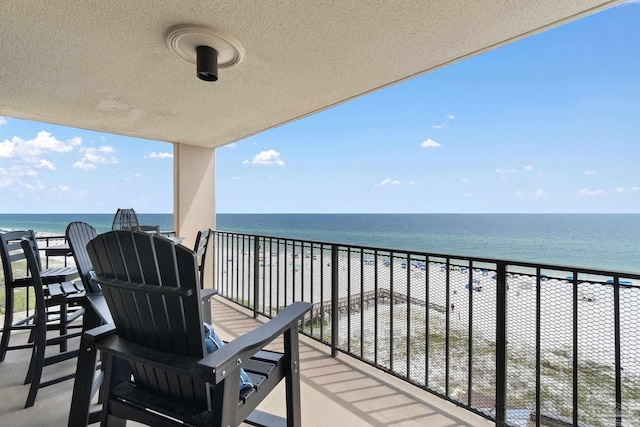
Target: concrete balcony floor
(339, 391)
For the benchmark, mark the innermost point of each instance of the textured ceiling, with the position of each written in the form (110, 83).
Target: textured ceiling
(105, 65)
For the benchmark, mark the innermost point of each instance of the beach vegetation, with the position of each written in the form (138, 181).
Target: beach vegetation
(315, 323)
(596, 380)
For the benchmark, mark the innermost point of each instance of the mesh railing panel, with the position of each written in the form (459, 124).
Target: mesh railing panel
(571, 350)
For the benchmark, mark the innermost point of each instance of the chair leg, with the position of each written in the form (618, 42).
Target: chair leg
(115, 370)
(32, 364)
(8, 322)
(292, 379)
(37, 359)
(63, 325)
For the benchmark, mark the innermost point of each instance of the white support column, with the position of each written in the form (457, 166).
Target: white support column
(194, 204)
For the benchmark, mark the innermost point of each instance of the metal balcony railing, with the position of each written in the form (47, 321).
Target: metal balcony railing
(513, 341)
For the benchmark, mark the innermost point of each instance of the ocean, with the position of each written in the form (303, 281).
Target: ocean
(599, 241)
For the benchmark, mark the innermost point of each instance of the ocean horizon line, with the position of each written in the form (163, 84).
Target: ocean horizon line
(600, 241)
(337, 213)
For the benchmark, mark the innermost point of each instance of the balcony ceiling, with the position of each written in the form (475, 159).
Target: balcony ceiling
(106, 66)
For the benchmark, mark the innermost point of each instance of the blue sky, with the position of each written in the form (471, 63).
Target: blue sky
(548, 124)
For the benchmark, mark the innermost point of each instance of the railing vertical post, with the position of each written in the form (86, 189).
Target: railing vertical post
(256, 275)
(334, 300)
(538, 344)
(447, 328)
(618, 367)
(501, 344)
(575, 349)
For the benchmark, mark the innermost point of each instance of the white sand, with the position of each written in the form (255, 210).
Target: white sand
(595, 319)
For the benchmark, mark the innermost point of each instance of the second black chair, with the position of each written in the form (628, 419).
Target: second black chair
(17, 283)
(78, 235)
(41, 323)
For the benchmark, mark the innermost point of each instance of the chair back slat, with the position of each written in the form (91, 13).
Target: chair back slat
(13, 256)
(126, 266)
(160, 309)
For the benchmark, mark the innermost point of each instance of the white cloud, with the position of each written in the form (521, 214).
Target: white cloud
(45, 164)
(7, 148)
(412, 182)
(106, 149)
(30, 151)
(539, 193)
(44, 141)
(12, 177)
(450, 116)
(80, 194)
(137, 174)
(3, 121)
(388, 181)
(64, 188)
(528, 168)
(633, 189)
(589, 172)
(84, 165)
(269, 157)
(504, 172)
(437, 126)
(35, 186)
(161, 155)
(91, 157)
(590, 193)
(22, 170)
(429, 143)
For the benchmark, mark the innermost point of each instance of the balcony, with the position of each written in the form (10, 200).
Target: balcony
(335, 390)
(411, 338)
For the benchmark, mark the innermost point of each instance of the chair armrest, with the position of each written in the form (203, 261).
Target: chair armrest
(99, 332)
(230, 357)
(127, 350)
(207, 293)
(212, 366)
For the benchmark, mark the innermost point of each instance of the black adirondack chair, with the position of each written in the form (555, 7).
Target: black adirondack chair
(157, 369)
(78, 234)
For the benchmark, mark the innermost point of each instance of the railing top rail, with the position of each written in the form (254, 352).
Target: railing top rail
(446, 257)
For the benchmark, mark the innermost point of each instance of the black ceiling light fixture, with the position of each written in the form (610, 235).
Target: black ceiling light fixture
(207, 63)
(208, 49)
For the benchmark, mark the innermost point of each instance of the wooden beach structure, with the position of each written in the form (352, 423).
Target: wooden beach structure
(354, 303)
